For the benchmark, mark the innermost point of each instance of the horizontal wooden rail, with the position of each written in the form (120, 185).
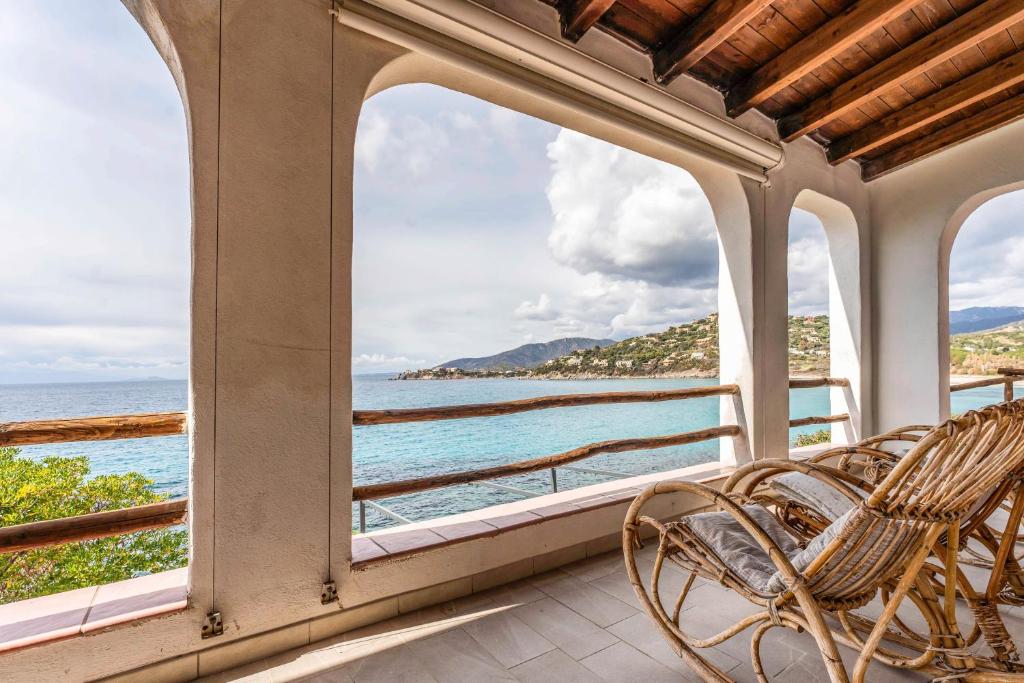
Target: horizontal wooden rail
(396, 488)
(398, 415)
(820, 420)
(811, 382)
(92, 526)
(978, 383)
(91, 429)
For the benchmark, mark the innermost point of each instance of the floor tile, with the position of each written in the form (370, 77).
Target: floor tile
(592, 603)
(507, 638)
(573, 634)
(554, 666)
(454, 657)
(622, 662)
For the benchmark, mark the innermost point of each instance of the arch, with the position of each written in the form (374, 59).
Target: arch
(844, 308)
(735, 202)
(947, 239)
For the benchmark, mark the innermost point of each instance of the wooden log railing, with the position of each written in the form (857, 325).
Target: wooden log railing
(92, 526)
(39, 432)
(1007, 379)
(399, 415)
(547, 462)
(811, 383)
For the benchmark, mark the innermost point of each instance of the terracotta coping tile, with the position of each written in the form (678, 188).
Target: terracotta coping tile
(408, 540)
(364, 549)
(464, 529)
(62, 615)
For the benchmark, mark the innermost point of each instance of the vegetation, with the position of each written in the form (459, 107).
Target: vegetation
(982, 353)
(820, 436)
(56, 487)
(687, 350)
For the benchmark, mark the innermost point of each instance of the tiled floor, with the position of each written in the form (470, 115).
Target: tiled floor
(578, 623)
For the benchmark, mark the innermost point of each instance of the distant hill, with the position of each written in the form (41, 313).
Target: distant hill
(687, 350)
(982, 353)
(527, 356)
(979, 318)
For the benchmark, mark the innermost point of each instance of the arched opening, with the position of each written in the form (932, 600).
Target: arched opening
(825, 317)
(986, 301)
(511, 232)
(95, 285)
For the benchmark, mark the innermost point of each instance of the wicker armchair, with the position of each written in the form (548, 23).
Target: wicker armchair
(879, 547)
(806, 502)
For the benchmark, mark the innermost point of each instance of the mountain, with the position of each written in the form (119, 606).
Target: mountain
(527, 356)
(982, 353)
(979, 318)
(687, 350)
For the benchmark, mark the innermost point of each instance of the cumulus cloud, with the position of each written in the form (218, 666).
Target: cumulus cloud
(627, 216)
(542, 310)
(984, 267)
(808, 261)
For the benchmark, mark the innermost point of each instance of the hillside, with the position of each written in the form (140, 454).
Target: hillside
(687, 350)
(526, 356)
(982, 353)
(978, 318)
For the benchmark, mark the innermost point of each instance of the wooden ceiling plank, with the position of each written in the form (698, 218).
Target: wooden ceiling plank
(579, 15)
(834, 37)
(975, 88)
(967, 30)
(709, 30)
(986, 120)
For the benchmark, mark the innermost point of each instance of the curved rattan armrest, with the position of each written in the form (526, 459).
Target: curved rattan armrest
(847, 453)
(754, 473)
(724, 503)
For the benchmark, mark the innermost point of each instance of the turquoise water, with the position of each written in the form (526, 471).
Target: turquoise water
(389, 452)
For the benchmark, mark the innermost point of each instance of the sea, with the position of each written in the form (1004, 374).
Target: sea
(401, 451)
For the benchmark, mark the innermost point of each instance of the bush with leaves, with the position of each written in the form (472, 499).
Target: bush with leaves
(56, 487)
(820, 436)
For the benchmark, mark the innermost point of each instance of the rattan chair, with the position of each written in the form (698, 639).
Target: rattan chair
(806, 503)
(879, 547)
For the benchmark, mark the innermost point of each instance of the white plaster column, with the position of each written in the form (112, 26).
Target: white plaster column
(916, 213)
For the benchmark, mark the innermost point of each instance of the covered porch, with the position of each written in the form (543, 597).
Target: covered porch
(281, 584)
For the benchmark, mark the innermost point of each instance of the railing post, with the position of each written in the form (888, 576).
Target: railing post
(554, 480)
(1008, 389)
(362, 517)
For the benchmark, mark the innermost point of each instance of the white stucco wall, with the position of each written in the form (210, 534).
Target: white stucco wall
(272, 94)
(916, 213)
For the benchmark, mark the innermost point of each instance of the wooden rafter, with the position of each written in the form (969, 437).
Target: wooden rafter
(989, 119)
(982, 22)
(976, 87)
(839, 33)
(579, 15)
(702, 35)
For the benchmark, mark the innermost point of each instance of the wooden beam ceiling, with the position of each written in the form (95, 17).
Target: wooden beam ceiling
(967, 30)
(579, 15)
(709, 30)
(882, 82)
(989, 119)
(976, 87)
(842, 31)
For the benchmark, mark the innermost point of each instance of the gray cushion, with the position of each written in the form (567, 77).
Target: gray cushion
(737, 549)
(815, 494)
(803, 558)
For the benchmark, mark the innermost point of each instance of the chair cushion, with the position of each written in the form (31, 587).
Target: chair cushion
(803, 558)
(737, 549)
(815, 494)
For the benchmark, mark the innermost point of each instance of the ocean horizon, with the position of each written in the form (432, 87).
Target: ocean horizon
(401, 451)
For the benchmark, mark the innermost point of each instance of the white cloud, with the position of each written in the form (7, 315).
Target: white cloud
(371, 140)
(542, 310)
(628, 216)
(808, 262)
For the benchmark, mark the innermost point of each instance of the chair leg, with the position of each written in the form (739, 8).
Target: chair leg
(822, 635)
(910, 577)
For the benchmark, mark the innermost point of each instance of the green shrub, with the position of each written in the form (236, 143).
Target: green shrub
(55, 487)
(820, 436)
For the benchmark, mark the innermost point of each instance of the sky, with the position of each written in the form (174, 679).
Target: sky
(508, 229)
